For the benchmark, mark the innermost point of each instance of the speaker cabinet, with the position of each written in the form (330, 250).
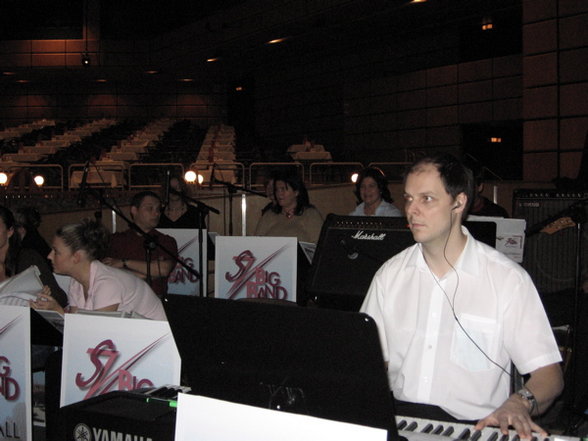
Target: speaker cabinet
(352, 248)
(550, 254)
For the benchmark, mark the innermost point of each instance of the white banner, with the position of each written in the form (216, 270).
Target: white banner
(251, 267)
(15, 373)
(103, 354)
(180, 281)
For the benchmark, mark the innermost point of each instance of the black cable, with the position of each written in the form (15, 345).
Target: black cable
(452, 302)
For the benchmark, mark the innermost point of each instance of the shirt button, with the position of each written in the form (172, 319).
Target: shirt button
(430, 347)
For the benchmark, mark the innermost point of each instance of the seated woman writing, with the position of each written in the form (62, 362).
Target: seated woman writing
(293, 215)
(76, 250)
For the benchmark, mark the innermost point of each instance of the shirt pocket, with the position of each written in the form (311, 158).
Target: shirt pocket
(476, 355)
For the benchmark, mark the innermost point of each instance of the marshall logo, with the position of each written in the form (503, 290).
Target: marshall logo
(83, 432)
(360, 235)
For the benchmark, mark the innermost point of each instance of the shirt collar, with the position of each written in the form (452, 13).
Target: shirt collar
(467, 262)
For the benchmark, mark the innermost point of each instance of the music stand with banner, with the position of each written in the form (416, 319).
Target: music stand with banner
(15, 373)
(103, 354)
(181, 281)
(256, 267)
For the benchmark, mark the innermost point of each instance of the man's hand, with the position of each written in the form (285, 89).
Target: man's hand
(513, 412)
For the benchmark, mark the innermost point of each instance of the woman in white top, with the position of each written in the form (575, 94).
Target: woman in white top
(371, 190)
(75, 251)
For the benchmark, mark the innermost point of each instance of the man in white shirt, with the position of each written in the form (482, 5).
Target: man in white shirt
(453, 313)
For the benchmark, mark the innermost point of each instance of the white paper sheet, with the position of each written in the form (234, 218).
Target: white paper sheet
(208, 419)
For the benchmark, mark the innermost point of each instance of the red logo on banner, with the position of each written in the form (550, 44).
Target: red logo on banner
(181, 274)
(264, 284)
(106, 377)
(9, 387)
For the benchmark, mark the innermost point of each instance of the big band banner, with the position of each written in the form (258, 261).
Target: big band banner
(251, 267)
(180, 281)
(104, 354)
(15, 373)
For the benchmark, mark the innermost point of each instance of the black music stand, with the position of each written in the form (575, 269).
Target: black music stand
(318, 362)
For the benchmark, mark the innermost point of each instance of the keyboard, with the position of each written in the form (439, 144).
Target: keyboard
(418, 429)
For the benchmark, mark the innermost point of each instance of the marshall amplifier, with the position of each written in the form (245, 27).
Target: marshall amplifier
(551, 242)
(352, 248)
(118, 416)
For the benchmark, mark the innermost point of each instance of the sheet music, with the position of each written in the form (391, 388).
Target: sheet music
(19, 289)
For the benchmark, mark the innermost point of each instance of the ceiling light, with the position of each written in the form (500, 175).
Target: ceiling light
(277, 40)
(85, 59)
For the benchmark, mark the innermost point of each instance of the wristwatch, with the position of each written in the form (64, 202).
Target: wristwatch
(528, 396)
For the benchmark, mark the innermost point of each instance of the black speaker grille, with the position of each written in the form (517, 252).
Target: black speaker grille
(550, 259)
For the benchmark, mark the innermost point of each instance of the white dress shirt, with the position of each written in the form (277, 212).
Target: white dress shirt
(430, 357)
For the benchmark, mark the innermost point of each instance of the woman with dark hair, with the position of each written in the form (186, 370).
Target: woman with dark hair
(293, 215)
(178, 213)
(373, 195)
(14, 259)
(76, 250)
(28, 220)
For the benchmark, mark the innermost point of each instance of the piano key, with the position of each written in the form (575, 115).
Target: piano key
(476, 435)
(428, 428)
(411, 426)
(447, 430)
(438, 430)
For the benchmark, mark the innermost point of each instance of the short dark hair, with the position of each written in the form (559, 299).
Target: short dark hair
(381, 180)
(137, 199)
(27, 217)
(456, 177)
(294, 181)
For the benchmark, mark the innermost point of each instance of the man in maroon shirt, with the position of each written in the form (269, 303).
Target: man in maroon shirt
(128, 250)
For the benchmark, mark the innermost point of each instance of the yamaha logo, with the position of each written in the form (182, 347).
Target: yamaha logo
(82, 433)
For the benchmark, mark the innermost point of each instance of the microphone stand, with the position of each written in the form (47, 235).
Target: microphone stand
(150, 242)
(231, 190)
(203, 210)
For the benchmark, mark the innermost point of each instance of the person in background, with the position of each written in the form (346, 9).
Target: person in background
(178, 213)
(293, 216)
(28, 221)
(14, 258)
(373, 195)
(270, 193)
(128, 250)
(453, 314)
(76, 250)
(482, 206)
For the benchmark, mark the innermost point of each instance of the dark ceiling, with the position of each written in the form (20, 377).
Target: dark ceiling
(349, 26)
(119, 19)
